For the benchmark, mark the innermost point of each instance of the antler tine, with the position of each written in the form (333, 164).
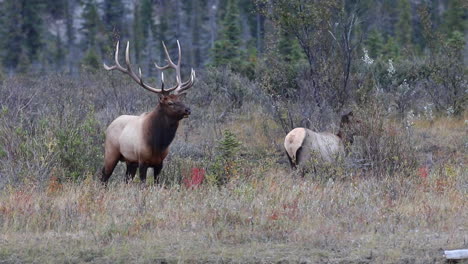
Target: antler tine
(170, 63)
(116, 58)
(129, 70)
(127, 57)
(180, 54)
(184, 86)
(162, 82)
(192, 77)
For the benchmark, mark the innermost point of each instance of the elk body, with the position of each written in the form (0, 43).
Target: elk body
(301, 144)
(143, 141)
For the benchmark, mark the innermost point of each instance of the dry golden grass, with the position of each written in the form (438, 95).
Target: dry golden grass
(274, 218)
(446, 138)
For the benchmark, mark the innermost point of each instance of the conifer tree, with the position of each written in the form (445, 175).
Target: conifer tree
(91, 25)
(143, 34)
(455, 16)
(22, 26)
(227, 49)
(146, 17)
(138, 41)
(289, 48)
(404, 30)
(32, 27)
(375, 43)
(91, 61)
(390, 49)
(13, 39)
(114, 18)
(70, 35)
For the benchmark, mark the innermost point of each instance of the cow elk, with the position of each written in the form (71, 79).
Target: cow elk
(143, 141)
(302, 144)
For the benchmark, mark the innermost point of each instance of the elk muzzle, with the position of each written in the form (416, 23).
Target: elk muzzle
(187, 112)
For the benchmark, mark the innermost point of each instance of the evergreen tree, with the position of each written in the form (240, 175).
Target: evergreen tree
(404, 30)
(13, 38)
(91, 25)
(58, 52)
(173, 28)
(289, 48)
(138, 41)
(143, 34)
(70, 35)
(227, 49)
(91, 61)
(146, 17)
(55, 51)
(56, 8)
(227, 162)
(375, 43)
(32, 27)
(22, 31)
(391, 50)
(455, 16)
(24, 62)
(114, 18)
(195, 24)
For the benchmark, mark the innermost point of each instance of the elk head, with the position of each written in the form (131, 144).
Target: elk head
(348, 128)
(173, 106)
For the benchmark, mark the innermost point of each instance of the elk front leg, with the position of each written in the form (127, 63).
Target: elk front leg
(157, 170)
(143, 170)
(131, 171)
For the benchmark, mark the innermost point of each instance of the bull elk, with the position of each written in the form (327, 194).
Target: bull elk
(301, 143)
(142, 141)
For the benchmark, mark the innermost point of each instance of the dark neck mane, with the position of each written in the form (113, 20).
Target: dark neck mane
(345, 138)
(340, 134)
(160, 130)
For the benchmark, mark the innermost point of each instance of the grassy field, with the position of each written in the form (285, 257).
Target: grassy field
(273, 219)
(53, 210)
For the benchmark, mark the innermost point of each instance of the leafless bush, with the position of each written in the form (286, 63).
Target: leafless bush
(385, 147)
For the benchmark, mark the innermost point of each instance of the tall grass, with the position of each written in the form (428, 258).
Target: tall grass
(261, 219)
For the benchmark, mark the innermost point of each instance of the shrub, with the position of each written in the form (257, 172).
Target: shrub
(226, 163)
(386, 147)
(79, 146)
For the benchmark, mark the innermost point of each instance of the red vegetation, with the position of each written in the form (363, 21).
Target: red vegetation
(195, 178)
(423, 172)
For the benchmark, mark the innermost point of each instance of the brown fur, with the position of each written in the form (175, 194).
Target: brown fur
(157, 132)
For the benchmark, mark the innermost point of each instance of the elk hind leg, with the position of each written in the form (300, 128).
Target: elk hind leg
(293, 165)
(110, 161)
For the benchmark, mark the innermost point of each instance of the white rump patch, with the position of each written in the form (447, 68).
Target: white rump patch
(294, 141)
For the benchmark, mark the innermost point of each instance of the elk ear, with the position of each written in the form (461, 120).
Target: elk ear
(346, 117)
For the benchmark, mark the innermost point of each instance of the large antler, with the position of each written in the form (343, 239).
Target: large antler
(130, 72)
(180, 86)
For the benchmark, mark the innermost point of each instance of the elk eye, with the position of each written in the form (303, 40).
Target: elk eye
(170, 103)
